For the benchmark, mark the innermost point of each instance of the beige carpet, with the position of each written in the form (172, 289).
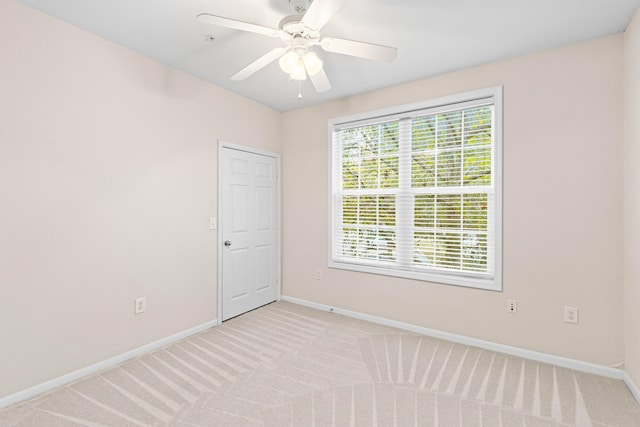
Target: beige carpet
(287, 365)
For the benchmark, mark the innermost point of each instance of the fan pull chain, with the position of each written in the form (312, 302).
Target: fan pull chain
(299, 89)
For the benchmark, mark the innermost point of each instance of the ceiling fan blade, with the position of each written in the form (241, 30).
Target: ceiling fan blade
(360, 49)
(219, 21)
(320, 12)
(259, 63)
(320, 81)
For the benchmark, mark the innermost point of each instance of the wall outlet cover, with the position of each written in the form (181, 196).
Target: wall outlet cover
(139, 305)
(570, 314)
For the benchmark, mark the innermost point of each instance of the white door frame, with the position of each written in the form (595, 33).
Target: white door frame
(222, 145)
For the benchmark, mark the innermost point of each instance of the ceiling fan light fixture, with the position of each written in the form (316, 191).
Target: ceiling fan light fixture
(312, 63)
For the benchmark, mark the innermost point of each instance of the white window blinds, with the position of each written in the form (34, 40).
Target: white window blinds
(417, 193)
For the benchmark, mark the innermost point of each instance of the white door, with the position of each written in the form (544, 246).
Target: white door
(249, 231)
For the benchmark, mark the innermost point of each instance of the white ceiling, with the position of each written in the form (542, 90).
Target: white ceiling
(432, 37)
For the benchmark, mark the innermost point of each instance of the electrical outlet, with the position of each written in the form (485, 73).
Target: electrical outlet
(139, 305)
(570, 314)
(512, 306)
(318, 274)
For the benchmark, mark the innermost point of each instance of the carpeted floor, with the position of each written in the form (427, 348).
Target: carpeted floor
(288, 365)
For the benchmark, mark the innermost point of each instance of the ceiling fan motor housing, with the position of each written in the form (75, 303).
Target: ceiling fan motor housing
(292, 28)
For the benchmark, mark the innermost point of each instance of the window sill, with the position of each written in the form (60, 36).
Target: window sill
(494, 284)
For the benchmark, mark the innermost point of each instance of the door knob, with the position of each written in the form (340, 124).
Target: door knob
(227, 243)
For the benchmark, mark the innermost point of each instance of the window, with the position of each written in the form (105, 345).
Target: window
(416, 191)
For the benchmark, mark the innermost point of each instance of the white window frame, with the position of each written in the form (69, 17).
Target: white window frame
(388, 114)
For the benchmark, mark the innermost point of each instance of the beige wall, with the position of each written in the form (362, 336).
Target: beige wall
(562, 208)
(632, 200)
(107, 180)
(108, 177)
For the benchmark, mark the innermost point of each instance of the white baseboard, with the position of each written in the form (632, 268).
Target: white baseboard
(577, 365)
(34, 391)
(632, 386)
(515, 351)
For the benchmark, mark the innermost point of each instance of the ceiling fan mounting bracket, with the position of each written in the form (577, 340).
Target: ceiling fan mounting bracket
(300, 6)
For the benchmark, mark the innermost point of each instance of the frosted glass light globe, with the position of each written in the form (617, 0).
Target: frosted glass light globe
(312, 63)
(298, 72)
(288, 61)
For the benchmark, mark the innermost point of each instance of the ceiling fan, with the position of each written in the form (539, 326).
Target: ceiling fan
(299, 32)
